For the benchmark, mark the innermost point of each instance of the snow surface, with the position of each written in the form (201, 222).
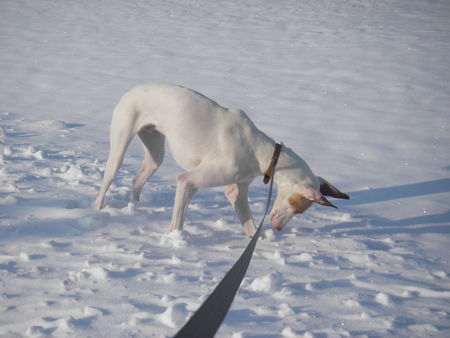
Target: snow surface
(360, 89)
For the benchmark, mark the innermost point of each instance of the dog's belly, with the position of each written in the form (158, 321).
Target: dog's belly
(190, 150)
(188, 163)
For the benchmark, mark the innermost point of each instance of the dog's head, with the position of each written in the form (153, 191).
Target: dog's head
(296, 198)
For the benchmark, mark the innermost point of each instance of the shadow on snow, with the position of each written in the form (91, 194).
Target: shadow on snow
(374, 225)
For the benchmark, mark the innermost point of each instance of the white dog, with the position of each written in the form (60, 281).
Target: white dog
(215, 145)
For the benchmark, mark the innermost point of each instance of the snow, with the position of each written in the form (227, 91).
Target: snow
(360, 89)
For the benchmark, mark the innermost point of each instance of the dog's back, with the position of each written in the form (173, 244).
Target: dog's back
(196, 127)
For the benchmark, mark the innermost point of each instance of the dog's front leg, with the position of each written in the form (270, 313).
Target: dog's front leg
(185, 190)
(237, 195)
(211, 174)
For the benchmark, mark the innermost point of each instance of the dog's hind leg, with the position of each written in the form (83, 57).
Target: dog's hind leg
(120, 135)
(153, 142)
(237, 195)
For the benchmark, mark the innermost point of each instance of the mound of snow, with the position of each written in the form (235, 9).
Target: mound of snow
(52, 124)
(91, 273)
(267, 284)
(32, 152)
(288, 332)
(10, 200)
(35, 331)
(276, 256)
(175, 239)
(175, 315)
(303, 257)
(74, 172)
(383, 299)
(285, 310)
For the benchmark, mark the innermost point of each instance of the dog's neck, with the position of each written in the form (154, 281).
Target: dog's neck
(290, 167)
(264, 148)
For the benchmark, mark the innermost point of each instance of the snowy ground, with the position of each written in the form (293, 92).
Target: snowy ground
(360, 89)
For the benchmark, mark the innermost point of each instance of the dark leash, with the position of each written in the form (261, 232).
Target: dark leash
(207, 319)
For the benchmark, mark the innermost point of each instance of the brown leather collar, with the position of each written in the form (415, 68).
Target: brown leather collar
(270, 171)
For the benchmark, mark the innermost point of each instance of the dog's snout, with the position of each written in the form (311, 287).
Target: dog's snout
(275, 224)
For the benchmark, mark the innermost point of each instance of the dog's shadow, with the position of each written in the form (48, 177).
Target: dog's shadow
(426, 223)
(398, 192)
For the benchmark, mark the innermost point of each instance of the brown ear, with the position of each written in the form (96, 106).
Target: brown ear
(329, 190)
(315, 197)
(323, 201)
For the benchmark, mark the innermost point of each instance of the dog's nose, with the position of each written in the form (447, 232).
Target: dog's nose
(276, 226)
(274, 223)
